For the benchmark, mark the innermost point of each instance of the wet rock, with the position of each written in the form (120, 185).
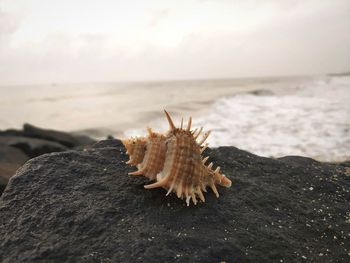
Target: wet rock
(81, 206)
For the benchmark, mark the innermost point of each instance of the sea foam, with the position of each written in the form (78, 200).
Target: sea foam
(313, 122)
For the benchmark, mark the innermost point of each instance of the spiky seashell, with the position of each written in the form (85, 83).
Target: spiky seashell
(175, 161)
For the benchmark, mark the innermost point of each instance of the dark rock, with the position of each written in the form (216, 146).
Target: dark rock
(61, 137)
(83, 207)
(108, 143)
(12, 155)
(10, 160)
(67, 139)
(6, 171)
(33, 142)
(261, 92)
(83, 140)
(12, 132)
(2, 188)
(110, 137)
(31, 146)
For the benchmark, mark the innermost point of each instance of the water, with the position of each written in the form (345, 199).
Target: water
(307, 116)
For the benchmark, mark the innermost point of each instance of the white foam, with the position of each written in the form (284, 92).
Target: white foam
(313, 122)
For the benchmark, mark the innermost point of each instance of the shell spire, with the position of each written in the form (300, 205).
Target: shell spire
(189, 124)
(174, 160)
(171, 124)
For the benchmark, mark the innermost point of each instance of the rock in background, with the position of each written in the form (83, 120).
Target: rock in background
(17, 146)
(81, 206)
(10, 160)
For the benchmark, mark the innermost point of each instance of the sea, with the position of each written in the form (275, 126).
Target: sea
(271, 116)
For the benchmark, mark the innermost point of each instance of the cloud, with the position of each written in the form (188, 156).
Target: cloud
(158, 17)
(272, 39)
(9, 23)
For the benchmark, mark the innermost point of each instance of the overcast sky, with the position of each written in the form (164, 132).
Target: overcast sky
(79, 41)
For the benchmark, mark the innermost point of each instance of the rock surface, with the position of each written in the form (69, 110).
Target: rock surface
(81, 206)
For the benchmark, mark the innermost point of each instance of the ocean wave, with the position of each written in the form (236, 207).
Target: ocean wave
(315, 122)
(279, 126)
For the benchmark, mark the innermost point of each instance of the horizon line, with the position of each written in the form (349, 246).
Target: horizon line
(58, 83)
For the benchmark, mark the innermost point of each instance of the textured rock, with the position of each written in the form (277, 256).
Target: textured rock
(82, 206)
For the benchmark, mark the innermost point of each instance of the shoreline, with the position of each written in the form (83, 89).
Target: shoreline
(19, 146)
(286, 116)
(117, 106)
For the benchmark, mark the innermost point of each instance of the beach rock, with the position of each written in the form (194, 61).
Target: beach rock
(12, 132)
(10, 160)
(64, 138)
(34, 141)
(261, 92)
(31, 146)
(11, 155)
(67, 139)
(81, 206)
(83, 140)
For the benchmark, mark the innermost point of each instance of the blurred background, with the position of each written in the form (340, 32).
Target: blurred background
(270, 77)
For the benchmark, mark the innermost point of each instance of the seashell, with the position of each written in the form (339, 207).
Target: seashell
(174, 160)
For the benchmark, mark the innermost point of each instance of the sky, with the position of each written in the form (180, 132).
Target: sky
(83, 41)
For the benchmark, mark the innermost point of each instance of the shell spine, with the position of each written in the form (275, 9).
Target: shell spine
(174, 160)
